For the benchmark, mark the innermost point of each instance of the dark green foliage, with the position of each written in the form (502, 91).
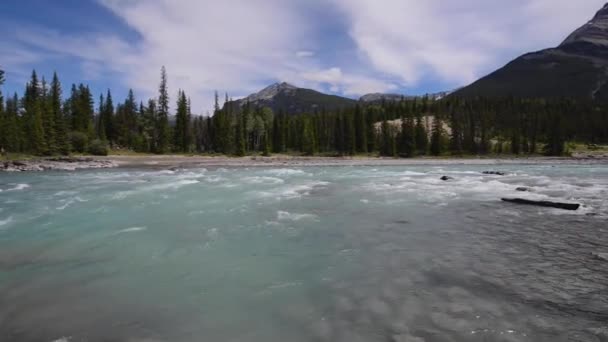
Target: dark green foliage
(162, 125)
(79, 141)
(39, 123)
(181, 138)
(437, 137)
(62, 143)
(240, 134)
(98, 148)
(407, 137)
(33, 117)
(421, 136)
(388, 146)
(361, 134)
(309, 146)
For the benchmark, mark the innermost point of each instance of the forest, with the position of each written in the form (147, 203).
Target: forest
(45, 123)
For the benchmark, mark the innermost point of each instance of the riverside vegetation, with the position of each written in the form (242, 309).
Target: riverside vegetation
(43, 123)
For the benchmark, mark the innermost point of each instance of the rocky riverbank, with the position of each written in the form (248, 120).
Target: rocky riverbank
(179, 161)
(59, 164)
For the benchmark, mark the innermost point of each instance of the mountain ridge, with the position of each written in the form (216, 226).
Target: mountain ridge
(577, 68)
(282, 96)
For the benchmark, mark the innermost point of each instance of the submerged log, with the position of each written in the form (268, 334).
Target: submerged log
(548, 204)
(494, 173)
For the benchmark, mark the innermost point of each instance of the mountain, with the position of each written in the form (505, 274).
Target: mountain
(294, 100)
(577, 68)
(377, 97)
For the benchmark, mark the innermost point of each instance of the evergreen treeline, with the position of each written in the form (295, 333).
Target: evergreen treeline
(43, 123)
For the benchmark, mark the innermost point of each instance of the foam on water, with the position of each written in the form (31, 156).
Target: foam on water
(18, 187)
(6, 221)
(263, 180)
(131, 230)
(287, 216)
(292, 191)
(304, 254)
(285, 172)
(68, 202)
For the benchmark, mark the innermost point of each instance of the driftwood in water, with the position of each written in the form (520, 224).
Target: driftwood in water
(558, 205)
(495, 173)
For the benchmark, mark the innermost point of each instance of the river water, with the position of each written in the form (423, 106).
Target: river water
(304, 254)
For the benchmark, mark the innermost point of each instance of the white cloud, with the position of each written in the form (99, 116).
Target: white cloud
(350, 85)
(239, 46)
(304, 53)
(457, 41)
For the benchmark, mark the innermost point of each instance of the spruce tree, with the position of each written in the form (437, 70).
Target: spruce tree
(437, 137)
(456, 137)
(387, 148)
(361, 130)
(163, 114)
(408, 137)
(109, 119)
(130, 120)
(3, 119)
(422, 139)
(180, 140)
(48, 119)
(32, 104)
(101, 119)
(240, 135)
(62, 141)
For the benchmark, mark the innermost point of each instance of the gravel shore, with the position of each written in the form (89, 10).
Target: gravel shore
(179, 161)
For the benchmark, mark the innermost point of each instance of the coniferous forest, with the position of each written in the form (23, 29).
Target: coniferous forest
(52, 120)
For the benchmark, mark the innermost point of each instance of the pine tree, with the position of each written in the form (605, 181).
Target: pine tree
(360, 129)
(32, 103)
(240, 135)
(308, 138)
(101, 119)
(422, 139)
(408, 137)
(48, 119)
(13, 129)
(150, 119)
(129, 120)
(456, 137)
(3, 119)
(62, 142)
(437, 137)
(162, 129)
(370, 131)
(180, 140)
(388, 144)
(109, 119)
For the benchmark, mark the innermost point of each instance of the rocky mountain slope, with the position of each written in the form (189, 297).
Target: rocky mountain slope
(577, 68)
(293, 100)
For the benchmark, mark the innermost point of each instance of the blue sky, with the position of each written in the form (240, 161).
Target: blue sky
(345, 47)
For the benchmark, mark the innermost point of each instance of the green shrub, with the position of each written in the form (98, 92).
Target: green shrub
(79, 141)
(98, 148)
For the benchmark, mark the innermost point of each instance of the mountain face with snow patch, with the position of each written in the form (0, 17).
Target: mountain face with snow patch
(378, 97)
(287, 98)
(577, 68)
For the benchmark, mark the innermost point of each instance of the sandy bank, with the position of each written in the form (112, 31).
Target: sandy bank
(169, 161)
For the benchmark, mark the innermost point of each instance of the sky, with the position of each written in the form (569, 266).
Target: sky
(343, 47)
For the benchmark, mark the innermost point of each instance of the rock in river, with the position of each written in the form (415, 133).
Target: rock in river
(548, 204)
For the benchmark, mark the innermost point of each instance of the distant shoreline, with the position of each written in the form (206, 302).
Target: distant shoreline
(184, 162)
(177, 161)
